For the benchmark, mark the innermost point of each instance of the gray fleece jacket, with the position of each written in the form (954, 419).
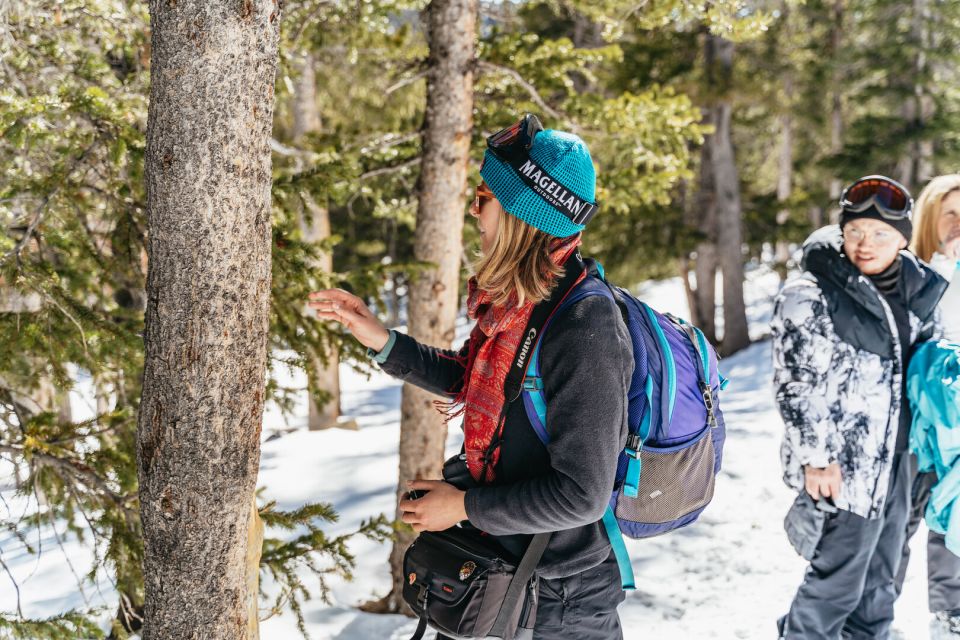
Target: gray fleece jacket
(587, 362)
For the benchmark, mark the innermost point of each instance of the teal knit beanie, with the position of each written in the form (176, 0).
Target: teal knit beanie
(566, 159)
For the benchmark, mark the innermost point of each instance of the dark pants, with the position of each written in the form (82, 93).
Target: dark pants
(581, 607)
(943, 567)
(849, 586)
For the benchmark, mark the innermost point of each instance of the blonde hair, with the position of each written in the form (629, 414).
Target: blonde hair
(518, 263)
(926, 240)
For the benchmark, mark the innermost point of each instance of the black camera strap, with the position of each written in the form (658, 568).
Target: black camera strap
(513, 384)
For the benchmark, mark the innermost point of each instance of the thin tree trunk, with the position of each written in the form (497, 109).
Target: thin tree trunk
(729, 223)
(916, 166)
(736, 335)
(785, 175)
(836, 104)
(315, 228)
(433, 295)
(207, 319)
(703, 296)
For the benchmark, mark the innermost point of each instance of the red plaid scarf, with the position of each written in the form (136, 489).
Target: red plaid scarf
(493, 345)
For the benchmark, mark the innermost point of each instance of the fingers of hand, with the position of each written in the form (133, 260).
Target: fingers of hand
(335, 296)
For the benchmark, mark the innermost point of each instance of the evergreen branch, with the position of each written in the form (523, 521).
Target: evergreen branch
(16, 586)
(83, 335)
(79, 471)
(66, 626)
(305, 22)
(403, 82)
(384, 142)
(66, 556)
(42, 209)
(392, 169)
(530, 89)
(286, 150)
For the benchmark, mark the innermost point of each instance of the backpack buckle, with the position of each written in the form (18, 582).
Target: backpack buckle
(707, 394)
(634, 444)
(531, 383)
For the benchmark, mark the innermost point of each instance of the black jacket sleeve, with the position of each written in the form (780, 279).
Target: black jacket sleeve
(587, 364)
(438, 371)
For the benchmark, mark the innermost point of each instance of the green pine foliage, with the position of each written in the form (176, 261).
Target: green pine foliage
(283, 558)
(68, 626)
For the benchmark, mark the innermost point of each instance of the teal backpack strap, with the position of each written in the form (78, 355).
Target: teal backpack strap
(631, 482)
(533, 393)
(627, 580)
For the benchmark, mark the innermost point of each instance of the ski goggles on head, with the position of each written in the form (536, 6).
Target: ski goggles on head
(515, 141)
(886, 195)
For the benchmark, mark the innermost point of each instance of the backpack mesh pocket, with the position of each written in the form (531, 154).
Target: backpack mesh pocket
(673, 482)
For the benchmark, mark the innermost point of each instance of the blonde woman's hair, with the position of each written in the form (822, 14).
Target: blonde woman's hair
(518, 262)
(926, 240)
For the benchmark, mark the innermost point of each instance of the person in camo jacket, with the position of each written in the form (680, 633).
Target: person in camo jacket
(843, 333)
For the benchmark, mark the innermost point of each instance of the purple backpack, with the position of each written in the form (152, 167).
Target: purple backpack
(666, 472)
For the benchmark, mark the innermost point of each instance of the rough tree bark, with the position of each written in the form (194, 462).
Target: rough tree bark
(451, 29)
(207, 318)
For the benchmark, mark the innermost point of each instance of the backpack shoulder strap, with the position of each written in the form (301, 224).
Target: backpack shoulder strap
(535, 405)
(532, 383)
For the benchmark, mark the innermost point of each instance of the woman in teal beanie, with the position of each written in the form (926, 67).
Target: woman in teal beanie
(537, 195)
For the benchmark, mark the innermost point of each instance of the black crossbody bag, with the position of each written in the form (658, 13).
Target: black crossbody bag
(461, 581)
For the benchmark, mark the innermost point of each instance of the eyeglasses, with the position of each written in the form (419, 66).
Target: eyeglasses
(890, 198)
(878, 237)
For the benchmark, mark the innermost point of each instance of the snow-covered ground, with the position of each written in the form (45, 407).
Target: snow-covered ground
(729, 576)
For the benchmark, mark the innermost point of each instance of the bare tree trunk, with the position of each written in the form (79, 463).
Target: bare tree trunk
(703, 297)
(915, 168)
(315, 228)
(433, 295)
(729, 222)
(836, 105)
(207, 319)
(785, 174)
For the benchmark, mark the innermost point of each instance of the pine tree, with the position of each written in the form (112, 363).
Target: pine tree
(207, 317)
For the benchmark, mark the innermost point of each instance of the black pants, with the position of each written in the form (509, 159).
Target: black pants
(943, 567)
(581, 607)
(849, 586)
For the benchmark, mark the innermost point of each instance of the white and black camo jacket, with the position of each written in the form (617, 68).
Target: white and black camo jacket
(839, 396)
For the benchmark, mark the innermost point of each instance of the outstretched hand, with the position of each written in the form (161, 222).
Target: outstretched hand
(350, 311)
(440, 509)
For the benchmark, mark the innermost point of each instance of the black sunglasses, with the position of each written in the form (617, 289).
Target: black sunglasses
(886, 195)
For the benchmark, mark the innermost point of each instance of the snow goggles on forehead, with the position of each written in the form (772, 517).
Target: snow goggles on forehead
(886, 195)
(516, 140)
